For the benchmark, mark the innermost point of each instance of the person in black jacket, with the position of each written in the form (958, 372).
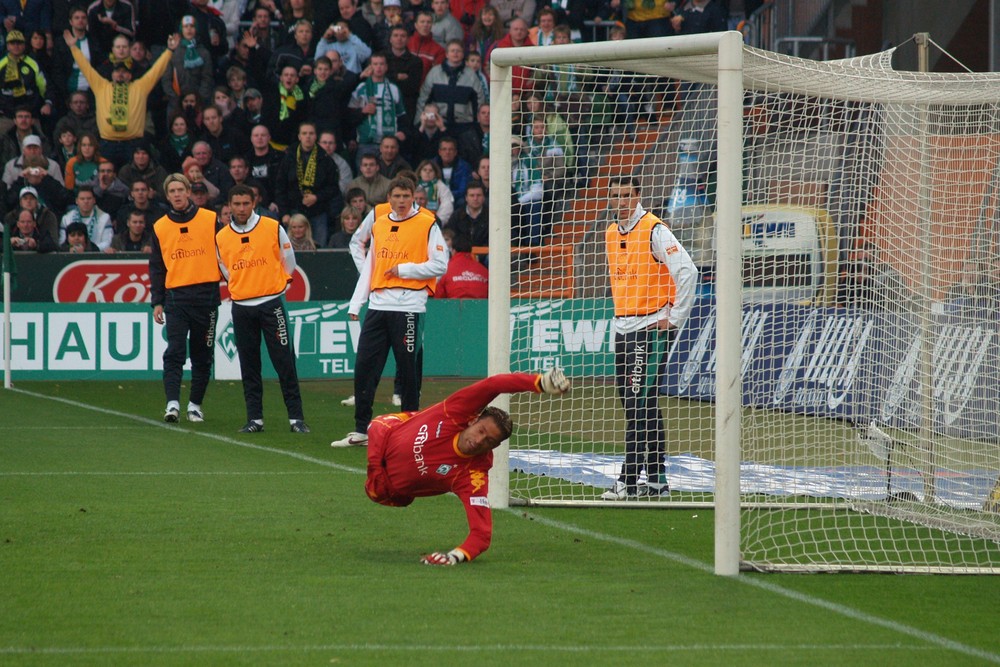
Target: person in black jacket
(308, 183)
(285, 107)
(184, 289)
(27, 236)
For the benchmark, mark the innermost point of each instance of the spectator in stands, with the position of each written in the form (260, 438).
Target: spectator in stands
(77, 240)
(236, 80)
(225, 142)
(648, 19)
(300, 233)
(389, 161)
(517, 35)
(79, 119)
(211, 28)
(422, 42)
(445, 27)
(81, 169)
(410, 10)
(353, 51)
(286, 107)
(440, 200)
(474, 141)
(356, 21)
(391, 17)
(251, 58)
(176, 146)
(465, 278)
(143, 166)
(555, 129)
(260, 27)
(45, 219)
(292, 13)
(307, 183)
(466, 12)
(11, 141)
(111, 192)
(253, 107)
(140, 201)
(424, 144)
(121, 102)
(381, 106)
(192, 171)
(405, 69)
(485, 33)
(474, 63)
(24, 234)
(328, 142)
(97, 223)
(213, 169)
(473, 219)
(374, 184)
(233, 117)
(120, 54)
(455, 89)
(528, 191)
(31, 148)
(699, 16)
(137, 236)
(330, 93)
(455, 171)
(372, 11)
(23, 83)
(191, 108)
(108, 18)
(543, 33)
(297, 54)
(66, 76)
(482, 174)
(201, 196)
(190, 69)
(29, 16)
(350, 220)
(65, 149)
(511, 10)
(358, 200)
(263, 159)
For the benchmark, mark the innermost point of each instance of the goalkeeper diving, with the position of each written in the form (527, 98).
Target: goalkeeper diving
(448, 448)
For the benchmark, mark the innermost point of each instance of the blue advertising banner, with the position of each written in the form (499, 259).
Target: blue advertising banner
(852, 364)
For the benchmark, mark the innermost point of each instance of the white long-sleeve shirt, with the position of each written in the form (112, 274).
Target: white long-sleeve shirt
(400, 299)
(682, 269)
(287, 256)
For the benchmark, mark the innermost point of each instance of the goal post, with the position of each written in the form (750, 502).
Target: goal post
(833, 395)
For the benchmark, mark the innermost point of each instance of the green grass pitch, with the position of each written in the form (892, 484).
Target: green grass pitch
(126, 541)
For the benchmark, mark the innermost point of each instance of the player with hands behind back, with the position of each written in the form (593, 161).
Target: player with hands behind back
(448, 448)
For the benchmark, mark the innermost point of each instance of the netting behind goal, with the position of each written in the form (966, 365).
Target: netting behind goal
(866, 327)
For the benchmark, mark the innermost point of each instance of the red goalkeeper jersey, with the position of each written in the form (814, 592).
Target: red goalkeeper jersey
(415, 454)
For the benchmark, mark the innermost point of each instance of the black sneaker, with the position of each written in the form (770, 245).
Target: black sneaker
(251, 427)
(299, 426)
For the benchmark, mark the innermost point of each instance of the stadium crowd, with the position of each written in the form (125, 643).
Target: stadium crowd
(316, 105)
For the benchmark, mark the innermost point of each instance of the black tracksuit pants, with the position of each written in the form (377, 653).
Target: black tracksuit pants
(196, 324)
(270, 321)
(382, 331)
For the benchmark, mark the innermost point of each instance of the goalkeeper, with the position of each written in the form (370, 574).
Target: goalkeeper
(653, 285)
(448, 447)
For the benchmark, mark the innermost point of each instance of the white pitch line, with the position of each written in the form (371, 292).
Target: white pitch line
(459, 648)
(842, 610)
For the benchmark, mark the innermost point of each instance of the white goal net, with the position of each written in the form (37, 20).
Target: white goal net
(835, 392)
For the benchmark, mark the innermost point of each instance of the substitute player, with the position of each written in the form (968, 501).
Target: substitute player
(448, 448)
(184, 290)
(653, 284)
(408, 254)
(256, 257)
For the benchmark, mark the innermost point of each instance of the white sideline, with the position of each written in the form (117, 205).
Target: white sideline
(756, 582)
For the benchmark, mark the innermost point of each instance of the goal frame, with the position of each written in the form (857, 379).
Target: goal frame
(728, 49)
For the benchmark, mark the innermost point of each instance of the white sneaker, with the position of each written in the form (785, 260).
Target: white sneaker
(353, 439)
(397, 400)
(195, 415)
(171, 415)
(620, 492)
(348, 401)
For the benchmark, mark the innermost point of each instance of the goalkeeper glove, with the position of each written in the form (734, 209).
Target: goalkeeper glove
(453, 557)
(554, 381)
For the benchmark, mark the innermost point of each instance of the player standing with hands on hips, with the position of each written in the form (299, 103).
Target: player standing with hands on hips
(408, 254)
(653, 283)
(184, 290)
(448, 448)
(256, 257)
